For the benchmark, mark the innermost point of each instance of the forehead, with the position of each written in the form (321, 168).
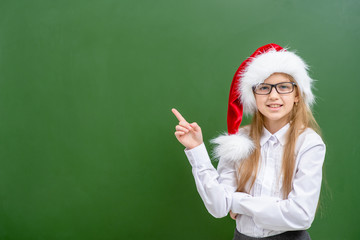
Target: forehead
(278, 77)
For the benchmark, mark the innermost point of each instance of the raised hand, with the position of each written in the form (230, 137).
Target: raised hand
(188, 134)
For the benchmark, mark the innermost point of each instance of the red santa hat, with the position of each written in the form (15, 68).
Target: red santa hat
(265, 61)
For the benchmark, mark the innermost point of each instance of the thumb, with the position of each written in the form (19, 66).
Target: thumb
(195, 126)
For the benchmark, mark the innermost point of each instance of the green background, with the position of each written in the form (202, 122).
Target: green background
(87, 145)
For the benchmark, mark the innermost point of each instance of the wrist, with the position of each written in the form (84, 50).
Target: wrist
(192, 146)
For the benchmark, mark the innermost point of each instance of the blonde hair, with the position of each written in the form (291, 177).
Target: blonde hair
(300, 118)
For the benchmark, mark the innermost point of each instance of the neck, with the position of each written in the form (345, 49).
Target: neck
(273, 127)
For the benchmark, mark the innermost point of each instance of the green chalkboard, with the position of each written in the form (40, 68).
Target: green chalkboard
(87, 145)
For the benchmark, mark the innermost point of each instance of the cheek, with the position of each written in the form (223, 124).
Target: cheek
(290, 101)
(289, 98)
(259, 99)
(260, 102)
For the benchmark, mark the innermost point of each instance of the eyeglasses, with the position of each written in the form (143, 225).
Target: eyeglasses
(281, 88)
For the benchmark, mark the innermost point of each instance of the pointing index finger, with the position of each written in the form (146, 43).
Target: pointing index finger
(178, 115)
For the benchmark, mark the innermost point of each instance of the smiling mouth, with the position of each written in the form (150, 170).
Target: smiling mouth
(274, 105)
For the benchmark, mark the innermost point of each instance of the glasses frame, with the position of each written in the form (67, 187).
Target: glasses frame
(273, 86)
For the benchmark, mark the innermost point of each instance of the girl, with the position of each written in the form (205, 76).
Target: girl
(269, 172)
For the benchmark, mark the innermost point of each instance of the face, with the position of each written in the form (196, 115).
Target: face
(276, 107)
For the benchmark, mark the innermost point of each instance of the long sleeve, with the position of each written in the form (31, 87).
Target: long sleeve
(298, 211)
(215, 187)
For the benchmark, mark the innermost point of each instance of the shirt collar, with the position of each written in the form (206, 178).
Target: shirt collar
(279, 135)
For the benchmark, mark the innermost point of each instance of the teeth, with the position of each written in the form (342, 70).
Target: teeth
(275, 105)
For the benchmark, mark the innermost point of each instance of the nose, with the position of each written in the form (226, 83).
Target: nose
(273, 94)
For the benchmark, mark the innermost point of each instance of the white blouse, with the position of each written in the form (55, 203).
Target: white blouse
(264, 212)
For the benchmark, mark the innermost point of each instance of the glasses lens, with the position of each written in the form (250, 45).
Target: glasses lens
(262, 88)
(286, 87)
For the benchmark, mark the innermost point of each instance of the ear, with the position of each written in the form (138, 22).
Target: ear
(296, 99)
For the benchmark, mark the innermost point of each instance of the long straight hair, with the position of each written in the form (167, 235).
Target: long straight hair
(300, 118)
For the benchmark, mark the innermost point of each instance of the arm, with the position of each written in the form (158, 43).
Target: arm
(214, 186)
(296, 212)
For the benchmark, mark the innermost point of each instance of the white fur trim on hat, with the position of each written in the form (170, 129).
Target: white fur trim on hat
(262, 66)
(233, 148)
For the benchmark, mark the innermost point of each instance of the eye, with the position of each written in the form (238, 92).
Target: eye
(263, 88)
(284, 86)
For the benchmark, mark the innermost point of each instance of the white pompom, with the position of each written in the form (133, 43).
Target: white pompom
(233, 148)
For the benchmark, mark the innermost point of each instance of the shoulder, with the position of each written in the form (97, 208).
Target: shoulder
(245, 130)
(309, 135)
(309, 139)
(310, 153)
